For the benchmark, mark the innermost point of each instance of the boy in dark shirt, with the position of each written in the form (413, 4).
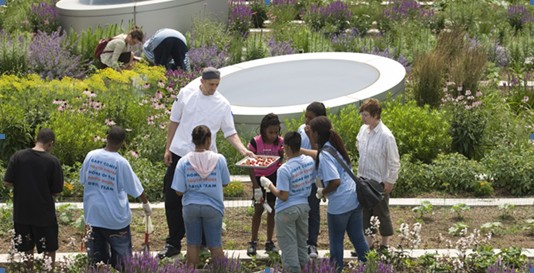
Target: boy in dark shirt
(35, 176)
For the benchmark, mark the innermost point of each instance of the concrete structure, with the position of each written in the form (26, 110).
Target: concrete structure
(151, 15)
(285, 85)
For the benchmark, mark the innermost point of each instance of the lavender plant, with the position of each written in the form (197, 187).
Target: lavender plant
(51, 60)
(240, 18)
(43, 17)
(207, 56)
(279, 48)
(518, 16)
(334, 17)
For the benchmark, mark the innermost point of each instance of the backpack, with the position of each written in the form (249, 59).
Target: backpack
(100, 47)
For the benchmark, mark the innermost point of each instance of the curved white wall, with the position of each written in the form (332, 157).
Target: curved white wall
(149, 14)
(285, 85)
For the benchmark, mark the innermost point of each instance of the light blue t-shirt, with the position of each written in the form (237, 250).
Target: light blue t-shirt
(157, 38)
(305, 140)
(207, 191)
(343, 199)
(108, 178)
(295, 177)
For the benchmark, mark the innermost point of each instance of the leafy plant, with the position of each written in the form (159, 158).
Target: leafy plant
(458, 229)
(529, 226)
(459, 209)
(491, 227)
(422, 210)
(454, 173)
(506, 210)
(421, 132)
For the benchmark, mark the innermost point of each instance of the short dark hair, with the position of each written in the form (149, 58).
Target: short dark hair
(45, 135)
(293, 140)
(116, 135)
(200, 134)
(317, 108)
(373, 107)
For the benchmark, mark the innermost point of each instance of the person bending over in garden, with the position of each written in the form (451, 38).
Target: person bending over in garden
(200, 177)
(268, 142)
(195, 105)
(117, 54)
(168, 47)
(108, 179)
(379, 160)
(344, 214)
(314, 109)
(36, 177)
(295, 179)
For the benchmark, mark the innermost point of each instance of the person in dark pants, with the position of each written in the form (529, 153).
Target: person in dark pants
(195, 105)
(168, 47)
(314, 109)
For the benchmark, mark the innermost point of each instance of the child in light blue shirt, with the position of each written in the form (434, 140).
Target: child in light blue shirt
(295, 179)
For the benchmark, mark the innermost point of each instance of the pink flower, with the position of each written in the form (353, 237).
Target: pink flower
(468, 93)
(146, 86)
(525, 99)
(134, 154)
(479, 93)
(150, 120)
(161, 84)
(158, 95)
(110, 122)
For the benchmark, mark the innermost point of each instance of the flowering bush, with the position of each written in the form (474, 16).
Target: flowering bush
(518, 16)
(468, 121)
(43, 17)
(49, 59)
(240, 19)
(334, 16)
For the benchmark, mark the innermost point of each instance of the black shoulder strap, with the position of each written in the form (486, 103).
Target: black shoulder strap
(331, 151)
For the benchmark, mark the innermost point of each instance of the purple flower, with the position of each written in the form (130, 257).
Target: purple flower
(51, 60)
(280, 48)
(207, 56)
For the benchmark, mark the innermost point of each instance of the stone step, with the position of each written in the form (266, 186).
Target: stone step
(242, 254)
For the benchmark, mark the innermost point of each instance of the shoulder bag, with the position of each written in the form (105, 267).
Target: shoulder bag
(369, 191)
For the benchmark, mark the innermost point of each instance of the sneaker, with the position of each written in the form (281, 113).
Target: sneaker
(251, 249)
(270, 247)
(312, 251)
(169, 251)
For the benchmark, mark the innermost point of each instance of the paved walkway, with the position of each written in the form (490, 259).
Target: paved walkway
(323, 253)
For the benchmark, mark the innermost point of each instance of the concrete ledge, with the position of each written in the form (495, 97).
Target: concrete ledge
(242, 254)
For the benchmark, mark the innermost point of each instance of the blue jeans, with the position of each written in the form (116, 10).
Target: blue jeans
(352, 223)
(109, 246)
(203, 219)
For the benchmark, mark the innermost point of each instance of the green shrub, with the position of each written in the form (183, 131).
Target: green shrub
(421, 132)
(150, 143)
(19, 134)
(414, 178)
(150, 174)
(454, 173)
(76, 135)
(13, 53)
(347, 124)
(512, 167)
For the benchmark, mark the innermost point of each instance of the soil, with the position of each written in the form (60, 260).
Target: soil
(238, 228)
